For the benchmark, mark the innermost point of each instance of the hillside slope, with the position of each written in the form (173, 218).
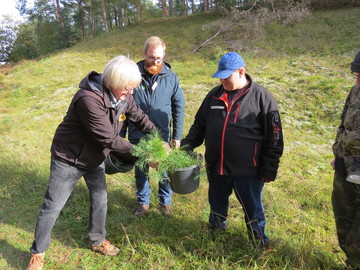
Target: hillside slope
(305, 66)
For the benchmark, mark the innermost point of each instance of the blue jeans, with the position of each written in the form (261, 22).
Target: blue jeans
(144, 191)
(248, 191)
(63, 178)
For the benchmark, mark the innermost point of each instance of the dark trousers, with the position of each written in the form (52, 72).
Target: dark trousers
(248, 191)
(63, 178)
(346, 207)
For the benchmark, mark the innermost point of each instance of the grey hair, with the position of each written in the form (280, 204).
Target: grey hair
(120, 72)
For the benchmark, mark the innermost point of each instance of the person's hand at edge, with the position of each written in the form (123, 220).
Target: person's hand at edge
(333, 164)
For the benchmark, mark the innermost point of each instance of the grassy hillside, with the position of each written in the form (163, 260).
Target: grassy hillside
(305, 66)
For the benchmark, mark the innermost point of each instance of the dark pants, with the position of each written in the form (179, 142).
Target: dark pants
(346, 207)
(248, 191)
(63, 178)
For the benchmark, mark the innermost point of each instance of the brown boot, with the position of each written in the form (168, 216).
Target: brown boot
(106, 248)
(141, 210)
(166, 210)
(36, 261)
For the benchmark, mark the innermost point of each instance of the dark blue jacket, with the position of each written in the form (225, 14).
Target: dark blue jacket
(161, 98)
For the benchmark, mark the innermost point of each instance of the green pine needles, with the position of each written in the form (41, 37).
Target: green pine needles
(151, 148)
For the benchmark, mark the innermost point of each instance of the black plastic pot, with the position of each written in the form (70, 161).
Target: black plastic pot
(185, 180)
(115, 163)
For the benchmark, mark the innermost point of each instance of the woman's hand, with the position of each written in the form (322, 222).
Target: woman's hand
(153, 164)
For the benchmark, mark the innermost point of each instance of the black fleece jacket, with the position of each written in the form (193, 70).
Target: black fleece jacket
(243, 137)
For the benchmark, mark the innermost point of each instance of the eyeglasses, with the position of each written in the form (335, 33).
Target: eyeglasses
(128, 89)
(356, 74)
(155, 59)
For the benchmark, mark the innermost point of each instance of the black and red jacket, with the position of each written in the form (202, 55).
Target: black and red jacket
(243, 137)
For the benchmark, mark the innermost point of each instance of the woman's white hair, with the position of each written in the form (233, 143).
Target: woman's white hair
(120, 73)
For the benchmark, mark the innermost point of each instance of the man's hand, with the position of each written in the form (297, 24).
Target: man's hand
(167, 147)
(153, 164)
(175, 143)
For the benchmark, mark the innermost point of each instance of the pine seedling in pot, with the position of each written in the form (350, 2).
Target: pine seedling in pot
(151, 148)
(179, 158)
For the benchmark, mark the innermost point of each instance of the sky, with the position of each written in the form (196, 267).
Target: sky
(7, 7)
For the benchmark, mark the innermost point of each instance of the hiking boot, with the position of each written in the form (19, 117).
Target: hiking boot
(106, 248)
(141, 210)
(166, 210)
(36, 261)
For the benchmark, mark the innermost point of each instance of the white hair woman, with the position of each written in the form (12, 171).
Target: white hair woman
(121, 75)
(87, 134)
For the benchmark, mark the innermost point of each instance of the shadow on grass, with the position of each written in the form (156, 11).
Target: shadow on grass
(13, 256)
(184, 236)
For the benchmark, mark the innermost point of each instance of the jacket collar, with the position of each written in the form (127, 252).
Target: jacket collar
(92, 82)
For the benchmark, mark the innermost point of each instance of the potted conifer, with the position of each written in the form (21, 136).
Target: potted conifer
(183, 170)
(182, 167)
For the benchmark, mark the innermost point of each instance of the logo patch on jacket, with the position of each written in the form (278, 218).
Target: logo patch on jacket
(122, 117)
(217, 107)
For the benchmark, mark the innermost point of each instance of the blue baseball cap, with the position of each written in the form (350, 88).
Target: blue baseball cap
(228, 63)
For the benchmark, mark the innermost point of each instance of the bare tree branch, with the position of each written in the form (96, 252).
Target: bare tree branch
(224, 27)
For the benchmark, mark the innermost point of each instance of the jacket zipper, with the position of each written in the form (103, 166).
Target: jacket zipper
(222, 145)
(228, 110)
(224, 98)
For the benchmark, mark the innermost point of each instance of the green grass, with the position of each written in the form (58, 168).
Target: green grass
(305, 66)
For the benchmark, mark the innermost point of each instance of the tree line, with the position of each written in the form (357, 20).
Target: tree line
(53, 25)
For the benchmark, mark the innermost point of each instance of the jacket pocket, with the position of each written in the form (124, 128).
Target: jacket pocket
(243, 154)
(255, 154)
(90, 156)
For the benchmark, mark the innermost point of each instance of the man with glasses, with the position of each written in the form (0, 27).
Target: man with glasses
(346, 191)
(161, 98)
